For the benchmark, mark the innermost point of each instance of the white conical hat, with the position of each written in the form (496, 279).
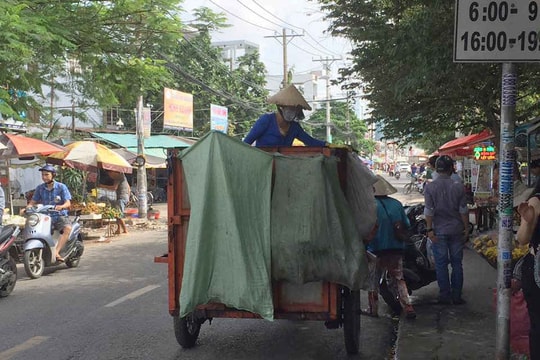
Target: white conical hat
(383, 187)
(289, 96)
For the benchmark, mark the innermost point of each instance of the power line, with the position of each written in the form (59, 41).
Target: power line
(294, 26)
(238, 17)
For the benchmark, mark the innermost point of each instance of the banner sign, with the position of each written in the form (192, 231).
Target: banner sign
(178, 110)
(219, 118)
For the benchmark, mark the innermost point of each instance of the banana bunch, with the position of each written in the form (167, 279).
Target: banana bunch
(487, 246)
(108, 212)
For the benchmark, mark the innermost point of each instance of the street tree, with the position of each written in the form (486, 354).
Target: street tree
(346, 127)
(111, 47)
(402, 56)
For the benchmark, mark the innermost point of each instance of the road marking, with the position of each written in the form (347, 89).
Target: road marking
(132, 295)
(28, 344)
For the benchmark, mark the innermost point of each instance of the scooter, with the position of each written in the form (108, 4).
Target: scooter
(8, 259)
(40, 241)
(418, 271)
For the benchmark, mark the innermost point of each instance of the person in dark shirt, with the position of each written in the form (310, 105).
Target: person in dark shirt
(280, 128)
(447, 221)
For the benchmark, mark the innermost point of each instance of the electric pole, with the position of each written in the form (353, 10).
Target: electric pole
(327, 63)
(284, 43)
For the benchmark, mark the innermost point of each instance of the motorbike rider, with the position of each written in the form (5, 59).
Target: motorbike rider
(52, 192)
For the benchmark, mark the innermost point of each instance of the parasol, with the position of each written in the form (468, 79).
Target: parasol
(90, 156)
(16, 145)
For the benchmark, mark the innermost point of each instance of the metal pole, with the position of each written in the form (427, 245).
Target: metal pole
(328, 123)
(285, 70)
(506, 189)
(141, 170)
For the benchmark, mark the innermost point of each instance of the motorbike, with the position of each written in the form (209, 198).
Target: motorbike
(417, 219)
(8, 259)
(40, 241)
(418, 271)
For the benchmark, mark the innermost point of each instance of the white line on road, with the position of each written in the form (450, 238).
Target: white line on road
(30, 343)
(132, 295)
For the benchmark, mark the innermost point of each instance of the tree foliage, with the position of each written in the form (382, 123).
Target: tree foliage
(346, 127)
(402, 55)
(111, 52)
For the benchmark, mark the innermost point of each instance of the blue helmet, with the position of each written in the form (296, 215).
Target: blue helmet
(48, 168)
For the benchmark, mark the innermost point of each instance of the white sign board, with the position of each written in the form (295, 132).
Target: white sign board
(497, 31)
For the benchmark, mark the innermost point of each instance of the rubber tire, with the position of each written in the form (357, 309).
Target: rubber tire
(186, 331)
(389, 298)
(351, 321)
(8, 288)
(407, 188)
(73, 262)
(33, 263)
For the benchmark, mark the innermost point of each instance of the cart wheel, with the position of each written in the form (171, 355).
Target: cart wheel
(390, 297)
(351, 321)
(186, 330)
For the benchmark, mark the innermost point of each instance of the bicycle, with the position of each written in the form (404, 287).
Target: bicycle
(134, 199)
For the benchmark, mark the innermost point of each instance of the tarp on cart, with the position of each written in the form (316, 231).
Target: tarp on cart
(241, 231)
(313, 229)
(227, 256)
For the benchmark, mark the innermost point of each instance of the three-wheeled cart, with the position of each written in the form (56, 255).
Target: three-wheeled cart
(334, 304)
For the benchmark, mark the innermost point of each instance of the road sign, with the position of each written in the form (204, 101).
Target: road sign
(497, 31)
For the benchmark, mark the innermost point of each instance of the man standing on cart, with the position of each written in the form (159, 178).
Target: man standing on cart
(280, 128)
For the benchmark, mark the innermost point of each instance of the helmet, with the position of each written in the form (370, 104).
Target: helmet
(48, 168)
(444, 164)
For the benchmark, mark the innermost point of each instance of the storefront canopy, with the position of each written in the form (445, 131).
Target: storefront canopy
(463, 145)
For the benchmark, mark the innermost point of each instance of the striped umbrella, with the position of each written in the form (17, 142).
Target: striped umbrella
(90, 156)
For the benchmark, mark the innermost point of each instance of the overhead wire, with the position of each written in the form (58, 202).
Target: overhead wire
(294, 26)
(236, 16)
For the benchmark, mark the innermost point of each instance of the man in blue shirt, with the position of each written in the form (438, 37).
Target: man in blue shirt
(55, 193)
(281, 128)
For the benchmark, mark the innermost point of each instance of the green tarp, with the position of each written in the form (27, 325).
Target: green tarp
(241, 231)
(227, 256)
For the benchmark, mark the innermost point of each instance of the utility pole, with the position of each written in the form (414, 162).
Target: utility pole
(284, 43)
(327, 63)
(141, 168)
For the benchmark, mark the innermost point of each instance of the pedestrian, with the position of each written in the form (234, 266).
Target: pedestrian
(529, 233)
(388, 248)
(280, 128)
(447, 221)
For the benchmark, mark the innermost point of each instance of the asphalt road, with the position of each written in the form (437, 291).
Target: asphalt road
(114, 306)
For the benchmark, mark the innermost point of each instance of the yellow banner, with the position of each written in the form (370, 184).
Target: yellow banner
(178, 110)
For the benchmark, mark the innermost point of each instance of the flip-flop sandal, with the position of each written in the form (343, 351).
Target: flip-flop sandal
(59, 259)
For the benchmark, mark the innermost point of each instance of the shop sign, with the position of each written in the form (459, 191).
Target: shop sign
(486, 152)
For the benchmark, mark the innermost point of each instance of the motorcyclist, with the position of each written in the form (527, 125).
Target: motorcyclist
(52, 192)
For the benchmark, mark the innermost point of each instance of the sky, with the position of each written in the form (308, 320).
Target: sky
(258, 20)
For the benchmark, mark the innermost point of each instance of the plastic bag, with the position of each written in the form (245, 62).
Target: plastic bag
(519, 322)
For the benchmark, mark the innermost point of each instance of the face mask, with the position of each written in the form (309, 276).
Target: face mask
(289, 114)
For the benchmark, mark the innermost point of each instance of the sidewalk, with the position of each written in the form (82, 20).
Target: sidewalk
(453, 332)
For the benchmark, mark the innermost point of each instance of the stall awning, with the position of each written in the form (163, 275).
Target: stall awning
(462, 146)
(155, 145)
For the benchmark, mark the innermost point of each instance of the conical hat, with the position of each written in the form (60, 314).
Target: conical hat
(289, 96)
(383, 187)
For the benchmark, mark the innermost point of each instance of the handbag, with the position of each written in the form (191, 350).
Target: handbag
(401, 231)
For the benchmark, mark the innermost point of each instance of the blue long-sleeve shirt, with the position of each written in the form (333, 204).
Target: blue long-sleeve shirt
(266, 132)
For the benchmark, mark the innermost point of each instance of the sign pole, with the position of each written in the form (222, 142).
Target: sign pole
(141, 169)
(506, 211)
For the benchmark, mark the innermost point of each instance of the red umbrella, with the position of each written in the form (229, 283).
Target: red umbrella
(20, 146)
